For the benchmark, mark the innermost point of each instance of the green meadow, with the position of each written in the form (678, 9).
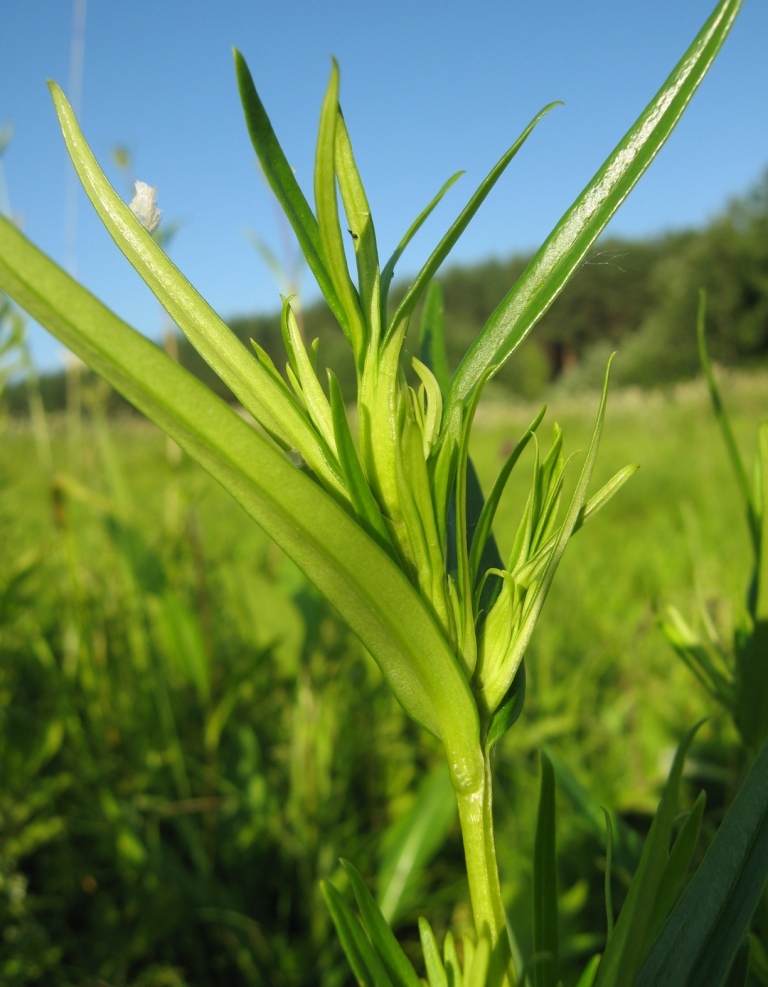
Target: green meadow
(190, 738)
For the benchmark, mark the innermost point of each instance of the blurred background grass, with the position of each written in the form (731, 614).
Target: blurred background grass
(189, 737)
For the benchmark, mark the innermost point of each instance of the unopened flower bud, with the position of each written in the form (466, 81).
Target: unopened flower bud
(144, 206)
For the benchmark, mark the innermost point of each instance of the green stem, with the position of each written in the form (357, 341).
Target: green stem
(476, 817)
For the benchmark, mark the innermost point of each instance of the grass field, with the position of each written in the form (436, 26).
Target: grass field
(190, 739)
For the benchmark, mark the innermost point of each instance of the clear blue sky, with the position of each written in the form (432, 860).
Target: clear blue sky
(427, 89)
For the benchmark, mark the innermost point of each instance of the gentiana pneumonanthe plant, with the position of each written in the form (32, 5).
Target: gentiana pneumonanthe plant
(389, 523)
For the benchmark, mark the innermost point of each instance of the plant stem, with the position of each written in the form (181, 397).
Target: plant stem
(476, 817)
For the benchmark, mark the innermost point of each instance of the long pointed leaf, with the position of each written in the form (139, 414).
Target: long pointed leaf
(435, 970)
(327, 205)
(361, 228)
(243, 374)
(432, 336)
(628, 943)
(283, 183)
(441, 251)
(703, 934)
(395, 961)
(389, 268)
(363, 958)
(677, 866)
(565, 248)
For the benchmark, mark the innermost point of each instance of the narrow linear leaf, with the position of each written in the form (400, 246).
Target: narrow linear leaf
(435, 970)
(432, 336)
(568, 244)
(737, 975)
(396, 963)
(441, 251)
(481, 961)
(327, 206)
(464, 583)
(545, 932)
(587, 978)
(451, 960)
(361, 229)
(626, 843)
(488, 513)
(245, 376)
(724, 422)
(389, 268)
(705, 931)
(531, 569)
(629, 941)
(608, 892)
(309, 386)
(283, 183)
(362, 957)
(677, 866)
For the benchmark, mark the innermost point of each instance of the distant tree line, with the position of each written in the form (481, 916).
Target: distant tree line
(637, 296)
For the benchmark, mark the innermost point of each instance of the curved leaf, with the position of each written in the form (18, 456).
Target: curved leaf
(396, 963)
(699, 941)
(244, 375)
(389, 268)
(441, 251)
(567, 245)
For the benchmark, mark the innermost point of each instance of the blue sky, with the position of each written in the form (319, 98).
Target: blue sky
(427, 89)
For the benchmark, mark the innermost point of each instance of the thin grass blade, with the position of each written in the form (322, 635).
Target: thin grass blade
(545, 918)
(677, 866)
(362, 957)
(587, 978)
(723, 420)
(389, 268)
(396, 963)
(705, 931)
(629, 941)
(408, 304)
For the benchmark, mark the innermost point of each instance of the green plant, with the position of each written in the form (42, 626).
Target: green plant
(734, 676)
(393, 529)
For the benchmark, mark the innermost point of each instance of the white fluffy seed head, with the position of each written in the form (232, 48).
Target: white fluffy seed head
(144, 206)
